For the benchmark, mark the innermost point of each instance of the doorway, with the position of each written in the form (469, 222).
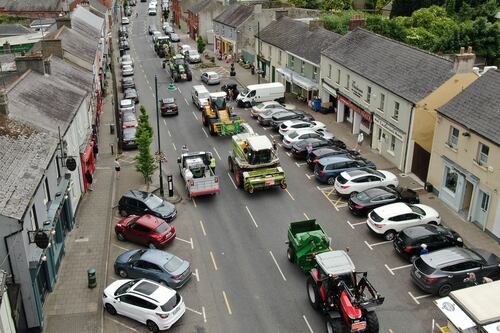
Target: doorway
(480, 213)
(469, 188)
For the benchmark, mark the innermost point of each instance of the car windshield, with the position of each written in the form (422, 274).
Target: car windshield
(204, 94)
(162, 228)
(125, 287)
(417, 210)
(244, 92)
(171, 303)
(220, 102)
(293, 135)
(173, 264)
(375, 217)
(169, 100)
(129, 133)
(153, 201)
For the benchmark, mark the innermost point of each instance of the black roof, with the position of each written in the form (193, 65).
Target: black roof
(234, 15)
(478, 106)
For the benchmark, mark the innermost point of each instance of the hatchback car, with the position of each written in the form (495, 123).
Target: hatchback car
(299, 149)
(157, 265)
(129, 119)
(129, 138)
(408, 243)
(319, 153)
(297, 124)
(328, 168)
(174, 38)
(278, 119)
(145, 301)
(125, 20)
(123, 46)
(261, 107)
(356, 181)
(168, 106)
(127, 82)
(146, 230)
(131, 94)
(362, 203)
(390, 219)
(264, 118)
(168, 30)
(152, 11)
(296, 136)
(140, 203)
(127, 70)
(123, 31)
(151, 28)
(210, 78)
(127, 105)
(192, 56)
(442, 271)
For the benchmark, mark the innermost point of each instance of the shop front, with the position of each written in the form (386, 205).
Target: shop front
(389, 141)
(88, 161)
(329, 96)
(297, 84)
(348, 111)
(224, 47)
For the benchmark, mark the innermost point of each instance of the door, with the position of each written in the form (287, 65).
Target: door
(142, 269)
(273, 75)
(420, 164)
(480, 213)
(379, 140)
(139, 234)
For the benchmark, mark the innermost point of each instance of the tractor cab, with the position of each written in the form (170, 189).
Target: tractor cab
(178, 60)
(259, 150)
(218, 101)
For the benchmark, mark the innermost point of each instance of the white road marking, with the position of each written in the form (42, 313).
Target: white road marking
(179, 90)
(204, 314)
(309, 176)
(307, 323)
(197, 312)
(289, 154)
(251, 216)
(204, 132)
(194, 114)
(186, 101)
(370, 246)
(300, 164)
(213, 260)
(121, 247)
(266, 128)
(194, 202)
(391, 270)
(355, 224)
(175, 148)
(232, 181)
(291, 196)
(215, 149)
(276, 263)
(197, 274)
(82, 240)
(122, 324)
(203, 228)
(190, 241)
(307, 217)
(165, 122)
(416, 298)
(417, 189)
(227, 303)
(279, 144)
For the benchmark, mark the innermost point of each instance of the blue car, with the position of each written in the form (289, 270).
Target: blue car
(328, 168)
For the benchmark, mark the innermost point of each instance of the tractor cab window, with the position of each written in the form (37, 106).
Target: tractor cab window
(260, 157)
(179, 61)
(219, 103)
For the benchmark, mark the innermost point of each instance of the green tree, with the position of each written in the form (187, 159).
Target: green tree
(144, 125)
(336, 5)
(200, 44)
(309, 4)
(450, 7)
(146, 163)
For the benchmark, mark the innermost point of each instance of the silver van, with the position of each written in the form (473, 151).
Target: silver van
(200, 95)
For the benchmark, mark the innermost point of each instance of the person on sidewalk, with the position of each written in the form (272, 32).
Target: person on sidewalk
(185, 149)
(359, 142)
(212, 163)
(117, 168)
(90, 179)
(95, 149)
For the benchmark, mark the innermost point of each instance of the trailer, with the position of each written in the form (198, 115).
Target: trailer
(204, 180)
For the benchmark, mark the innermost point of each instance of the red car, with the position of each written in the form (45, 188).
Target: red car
(129, 119)
(146, 230)
(168, 106)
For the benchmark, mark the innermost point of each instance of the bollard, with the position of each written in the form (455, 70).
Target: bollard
(92, 278)
(112, 148)
(111, 129)
(170, 181)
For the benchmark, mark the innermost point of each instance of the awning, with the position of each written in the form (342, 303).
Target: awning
(329, 89)
(298, 79)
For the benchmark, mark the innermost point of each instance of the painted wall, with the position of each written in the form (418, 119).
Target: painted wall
(295, 63)
(205, 18)
(6, 322)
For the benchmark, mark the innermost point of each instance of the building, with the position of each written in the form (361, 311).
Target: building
(7, 30)
(380, 86)
(227, 33)
(290, 52)
(6, 321)
(200, 17)
(465, 161)
(33, 8)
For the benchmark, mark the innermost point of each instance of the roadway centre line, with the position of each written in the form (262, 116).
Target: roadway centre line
(186, 101)
(203, 228)
(179, 90)
(307, 323)
(276, 263)
(204, 314)
(215, 149)
(169, 134)
(204, 132)
(307, 217)
(175, 148)
(197, 312)
(122, 324)
(355, 224)
(194, 115)
(416, 298)
(291, 196)
(121, 247)
(232, 181)
(227, 303)
(194, 202)
(288, 153)
(213, 260)
(391, 270)
(248, 210)
(165, 122)
(370, 246)
(190, 241)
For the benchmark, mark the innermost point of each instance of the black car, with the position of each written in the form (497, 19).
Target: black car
(123, 32)
(408, 242)
(230, 86)
(442, 271)
(316, 154)
(168, 106)
(299, 149)
(131, 93)
(136, 202)
(278, 119)
(124, 45)
(362, 203)
(128, 138)
(127, 82)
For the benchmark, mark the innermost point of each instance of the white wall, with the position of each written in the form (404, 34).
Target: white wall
(6, 321)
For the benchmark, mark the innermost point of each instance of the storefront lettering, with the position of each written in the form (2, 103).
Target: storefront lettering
(364, 114)
(388, 126)
(356, 90)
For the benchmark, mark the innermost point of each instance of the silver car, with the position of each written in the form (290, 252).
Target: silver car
(127, 70)
(210, 77)
(192, 56)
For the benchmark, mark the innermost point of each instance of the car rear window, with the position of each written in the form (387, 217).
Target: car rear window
(423, 267)
(173, 264)
(320, 166)
(171, 303)
(293, 135)
(128, 116)
(162, 228)
(341, 179)
(362, 196)
(375, 217)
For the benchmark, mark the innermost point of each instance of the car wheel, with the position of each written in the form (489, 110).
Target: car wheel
(290, 253)
(433, 222)
(230, 164)
(123, 213)
(111, 309)
(444, 290)
(389, 235)
(247, 105)
(152, 246)
(120, 236)
(413, 258)
(123, 273)
(331, 181)
(152, 326)
(334, 325)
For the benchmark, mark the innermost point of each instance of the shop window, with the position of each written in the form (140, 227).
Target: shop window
(392, 146)
(338, 76)
(453, 137)
(382, 102)
(368, 94)
(395, 115)
(302, 65)
(279, 57)
(451, 180)
(483, 152)
(315, 73)
(329, 71)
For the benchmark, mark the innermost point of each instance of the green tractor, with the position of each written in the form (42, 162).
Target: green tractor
(179, 69)
(160, 44)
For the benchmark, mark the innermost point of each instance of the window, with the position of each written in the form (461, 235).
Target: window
(395, 115)
(348, 82)
(451, 179)
(302, 65)
(269, 51)
(453, 137)
(338, 76)
(368, 94)
(46, 191)
(382, 102)
(33, 218)
(279, 57)
(315, 73)
(485, 201)
(329, 71)
(393, 143)
(483, 153)
(292, 61)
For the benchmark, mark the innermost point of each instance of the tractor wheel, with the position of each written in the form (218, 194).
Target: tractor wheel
(230, 163)
(290, 254)
(313, 293)
(334, 325)
(211, 129)
(176, 77)
(238, 178)
(189, 76)
(251, 189)
(372, 322)
(204, 119)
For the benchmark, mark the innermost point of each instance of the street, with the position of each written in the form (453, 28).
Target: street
(242, 280)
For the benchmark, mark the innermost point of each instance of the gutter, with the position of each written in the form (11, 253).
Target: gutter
(408, 137)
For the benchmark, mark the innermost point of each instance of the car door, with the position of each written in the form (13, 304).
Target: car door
(142, 269)
(139, 234)
(126, 305)
(411, 219)
(204, 77)
(360, 184)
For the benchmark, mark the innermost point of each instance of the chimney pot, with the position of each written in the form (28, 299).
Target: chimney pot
(33, 62)
(464, 62)
(462, 50)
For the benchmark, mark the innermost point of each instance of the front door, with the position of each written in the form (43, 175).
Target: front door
(480, 213)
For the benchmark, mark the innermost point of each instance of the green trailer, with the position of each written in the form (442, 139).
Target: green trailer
(305, 240)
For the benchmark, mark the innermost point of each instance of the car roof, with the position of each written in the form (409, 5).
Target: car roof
(136, 194)
(335, 262)
(425, 230)
(379, 190)
(153, 291)
(334, 159)
(448, 255)
(149, 221)
(158, 257)
(394, 209)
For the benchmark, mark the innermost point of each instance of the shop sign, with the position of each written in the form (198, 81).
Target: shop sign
(364, 114)
(388, 126)
(356, 90)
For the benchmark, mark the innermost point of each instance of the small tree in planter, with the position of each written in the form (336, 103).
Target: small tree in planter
(200, 44)
(146, 163)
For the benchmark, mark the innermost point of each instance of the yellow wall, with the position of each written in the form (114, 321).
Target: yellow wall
(425, 114)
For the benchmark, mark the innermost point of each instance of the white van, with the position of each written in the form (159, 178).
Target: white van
(265, 92)
(200, 95)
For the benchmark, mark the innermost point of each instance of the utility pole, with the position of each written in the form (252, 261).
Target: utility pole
(158, 131)
(258, 52)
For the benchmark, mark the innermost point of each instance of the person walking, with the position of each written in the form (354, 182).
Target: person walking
(188, 175)
(185, 149)
(90, 179)
(95, 149)
(359, 141)
(275, 145)
(309, 148)
(117, 168)
(212, 163)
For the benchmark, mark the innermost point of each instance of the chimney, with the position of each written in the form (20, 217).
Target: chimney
(6, 47)
(4, 102)
(257, 9)
(52, 47)
(279, 13)
(357, 21)
(33, 61)
(315, 25)
(464, 62)
(63, 21)
(46, 65)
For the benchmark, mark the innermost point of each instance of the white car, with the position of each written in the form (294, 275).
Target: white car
(125, 20)
(390, 219)
(127, 105)
(261, 107)
(210, 77)
(152, 11)
(185, 48)
(192, 56)
(155, 34)
(291, 138)
(127, 60)
(145, 301)
(296, 124)
(356, 181)
(127, 70)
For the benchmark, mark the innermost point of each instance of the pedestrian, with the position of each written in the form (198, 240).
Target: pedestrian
(359, 141)
(117, 168)
(185, 149)
(275, 145)
(230, 94)
(95, 149)
(212, 163)
(423, 249)
(188, 177)
(89, 178)
(309, 148)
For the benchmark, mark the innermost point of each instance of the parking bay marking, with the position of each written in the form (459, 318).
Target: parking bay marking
(309, 176)
(276, 263)
(305, 215)
(352, 225)
(300, 164)
(190, 241)
(196, 274)
(194, 115)
(416, 298)
(370, 246)
(192, 310)
(391, 270)
(121, 247)
(122, 324)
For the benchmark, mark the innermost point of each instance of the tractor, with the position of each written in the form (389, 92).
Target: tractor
(179, 69)
(219, 117)
(345, 296)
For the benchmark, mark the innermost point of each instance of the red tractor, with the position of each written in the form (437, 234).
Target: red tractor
(345, 296)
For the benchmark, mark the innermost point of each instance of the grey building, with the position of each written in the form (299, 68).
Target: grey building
(227, 30)
(200, 18)
(7, 30)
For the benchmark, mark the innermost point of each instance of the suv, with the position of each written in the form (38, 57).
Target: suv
(278, 119)
(145, 301)
(141, 203)
(328, 168)
(317, 154)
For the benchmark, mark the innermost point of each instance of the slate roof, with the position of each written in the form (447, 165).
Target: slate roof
(86, 23)
(13, 30)
(32, 5)
(234, 15)
(25, 153)
(406, 71)
(69, 73)
(78, 45)
(478, 106)
(294, 36)
(98, 6)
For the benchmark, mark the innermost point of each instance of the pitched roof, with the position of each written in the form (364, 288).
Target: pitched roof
(32, 5)
(234, 15)
(199, 6)
(78, 45)
(13, 30)
(67, 72)
(478, 106)
(98, 6)
(406, 71)
(294, 36)
(25, 154)
(86, 23)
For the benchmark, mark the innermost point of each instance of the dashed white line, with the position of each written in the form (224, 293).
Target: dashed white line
(179, 90)
(175, 148)
(276, 263)
(251, 216)
(307, 217)
(215, 149)
(289, 154)
(213, 260)
(232, 181)
(194, 115)
(186, 101)
(204, 314)
(307, 323)
(227, 303)
(291, 196)
(204, 132)
(165, 122)
(169, 134)
(203, 228)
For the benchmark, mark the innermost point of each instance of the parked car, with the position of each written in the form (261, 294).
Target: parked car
(127, 82)
(151, 29)
(131, 93)
(210, 77)
(152, 11)
(299, 124)
(128, 138)
(126, 60)
(145, 301)
(319, 153)
(230, 86)
(154, 35)
(278, 119)
(146, 230)
(129, 119)
(362, 203)
(174, 38)
(168, 106)
(127, 105)
(408, 243)
(328, 168)
(140, 203)
(124, 45)
(301, 134)
(261, 107)
(128, 11)
(264, 118)
(192, 56)
(299, 149)
(127, 70)
(442, 271)
(125, 20)
(356, 181)
(168, 30)
(390, 219)
(123, 31)
(183, 48)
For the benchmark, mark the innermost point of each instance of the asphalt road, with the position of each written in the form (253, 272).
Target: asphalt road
(243, 281)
